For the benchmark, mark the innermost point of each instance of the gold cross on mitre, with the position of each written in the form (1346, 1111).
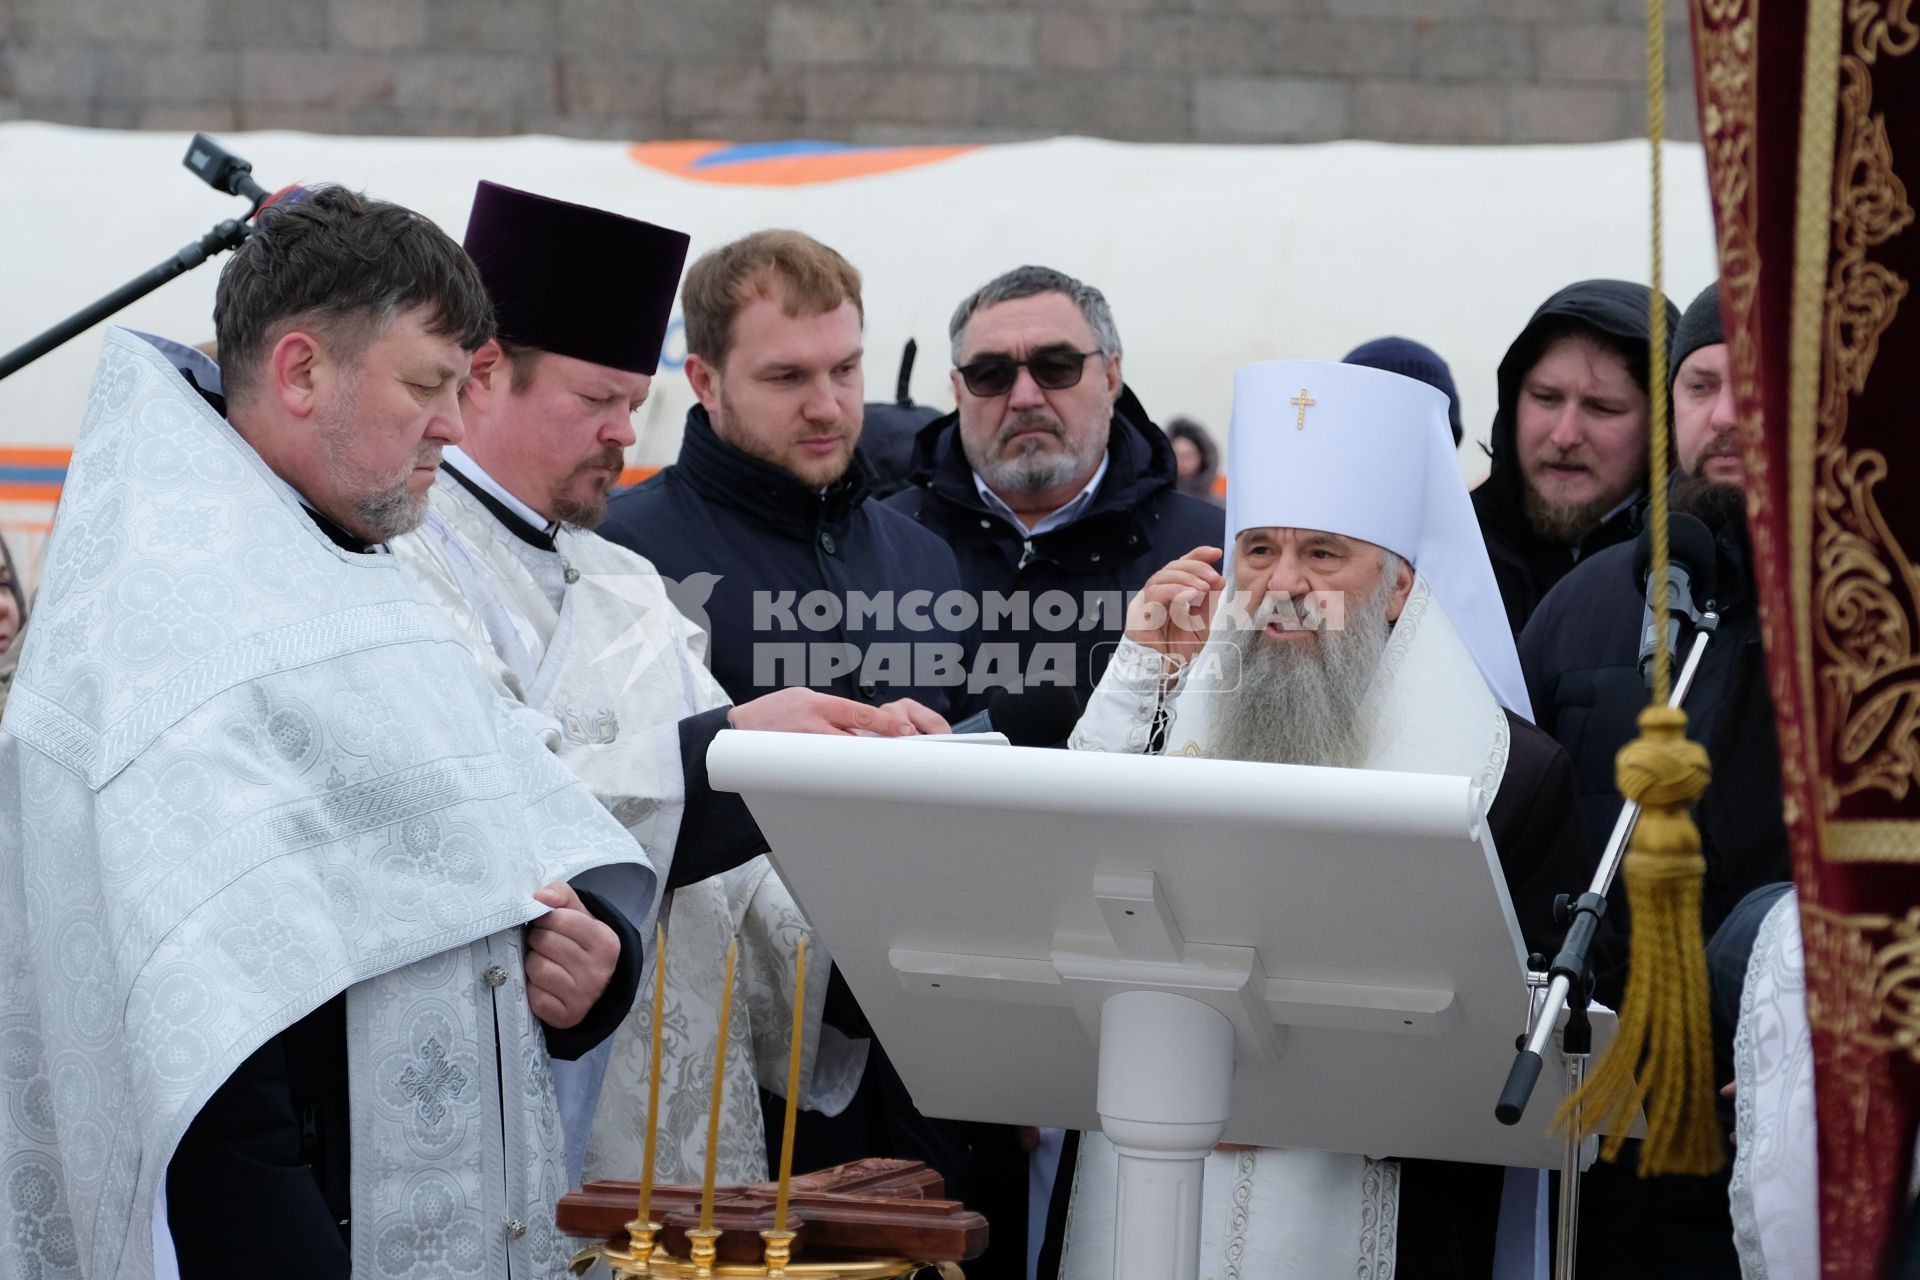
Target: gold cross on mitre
(1305, 402)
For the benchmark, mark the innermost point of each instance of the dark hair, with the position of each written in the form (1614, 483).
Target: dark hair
(1631, 350)
(14, 586)
(523, 363)
(345, 265)
(1031, 282)
(1189, 430)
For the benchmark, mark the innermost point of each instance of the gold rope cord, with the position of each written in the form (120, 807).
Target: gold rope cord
(1662, 1057)
(1660, 400)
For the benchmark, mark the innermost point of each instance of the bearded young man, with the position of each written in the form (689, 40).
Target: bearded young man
(1569, 441)
(769, 503)
(1400, 660)
(1580, 653)
(268, 840)
(586, 649)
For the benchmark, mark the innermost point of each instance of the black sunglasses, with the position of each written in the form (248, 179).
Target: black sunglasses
(1053, 369)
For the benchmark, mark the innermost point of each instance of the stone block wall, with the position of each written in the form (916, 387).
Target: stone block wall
(878, 71)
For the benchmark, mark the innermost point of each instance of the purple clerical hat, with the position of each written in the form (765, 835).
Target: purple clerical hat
(576, 281)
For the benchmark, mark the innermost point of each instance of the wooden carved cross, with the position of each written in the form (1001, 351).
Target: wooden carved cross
(866, 1209)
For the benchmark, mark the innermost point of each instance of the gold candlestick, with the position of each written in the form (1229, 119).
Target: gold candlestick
(702, 1249)
(793, 1088)
(719, 1095)
(642, 1229)
(779, 1252)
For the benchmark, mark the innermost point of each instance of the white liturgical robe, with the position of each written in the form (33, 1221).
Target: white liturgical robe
(244, 770)
(1366, 455)
(579, 638)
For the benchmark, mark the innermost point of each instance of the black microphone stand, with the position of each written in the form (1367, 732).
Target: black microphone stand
(221, 169)
(1568, 984)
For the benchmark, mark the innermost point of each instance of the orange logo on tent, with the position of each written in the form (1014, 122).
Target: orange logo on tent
(783, 164)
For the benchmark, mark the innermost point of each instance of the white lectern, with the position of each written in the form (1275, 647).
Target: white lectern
(1174, 951)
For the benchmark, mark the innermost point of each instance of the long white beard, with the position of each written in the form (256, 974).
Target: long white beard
(1301, 705)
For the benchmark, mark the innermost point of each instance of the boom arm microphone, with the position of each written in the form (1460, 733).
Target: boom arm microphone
(220, 169)
(1689, 586)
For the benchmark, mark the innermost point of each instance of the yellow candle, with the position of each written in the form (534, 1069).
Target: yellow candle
(793, 1087)
(719, 1092)
(653, 1069)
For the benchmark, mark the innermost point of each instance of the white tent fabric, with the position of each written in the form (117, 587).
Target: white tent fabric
(1213, 257)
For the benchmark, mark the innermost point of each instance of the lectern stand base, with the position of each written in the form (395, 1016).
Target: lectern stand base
(1166, 1069)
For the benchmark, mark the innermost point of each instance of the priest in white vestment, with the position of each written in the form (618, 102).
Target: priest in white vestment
(1357, 625)
(580, 639)
(285, 935)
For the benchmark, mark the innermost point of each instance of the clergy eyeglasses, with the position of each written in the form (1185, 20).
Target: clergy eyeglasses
(1053, 369)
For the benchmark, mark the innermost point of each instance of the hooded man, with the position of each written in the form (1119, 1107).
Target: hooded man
(1580, 653)
(581, 640)
(268, 840)
(1569, 442)
(1342, 493)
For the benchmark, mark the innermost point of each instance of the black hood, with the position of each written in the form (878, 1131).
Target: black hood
(1618, 310)
(1146, 455)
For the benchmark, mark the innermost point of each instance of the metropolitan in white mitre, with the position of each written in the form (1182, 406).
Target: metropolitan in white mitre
(286, 942)
(1357, 626)
(579, 638)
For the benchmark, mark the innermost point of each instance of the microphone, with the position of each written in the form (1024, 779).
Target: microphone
(1690, 574)
(222, 170)
(1034, 717)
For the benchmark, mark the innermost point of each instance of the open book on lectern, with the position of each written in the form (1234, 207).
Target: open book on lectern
(983, 904)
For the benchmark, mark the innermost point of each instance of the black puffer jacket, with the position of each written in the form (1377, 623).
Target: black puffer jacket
(1138, 521)
(1525, 565)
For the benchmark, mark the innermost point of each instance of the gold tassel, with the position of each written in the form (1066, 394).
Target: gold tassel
(1662, 1057)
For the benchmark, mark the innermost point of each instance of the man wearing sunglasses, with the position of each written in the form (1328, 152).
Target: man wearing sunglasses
(1049, 478)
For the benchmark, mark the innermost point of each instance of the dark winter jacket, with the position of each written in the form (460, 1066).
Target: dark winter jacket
(1580, 654)
(1138, 521)
(1524, 564)
(763, 543)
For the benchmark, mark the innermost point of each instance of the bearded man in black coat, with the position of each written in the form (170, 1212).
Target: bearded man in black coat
(1569, 441)
(1580, 655)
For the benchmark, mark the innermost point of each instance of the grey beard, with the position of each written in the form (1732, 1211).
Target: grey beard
(1031, 471)
(392, 513)
(1302, 705)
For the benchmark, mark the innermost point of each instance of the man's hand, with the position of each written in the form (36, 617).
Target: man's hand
(808, 711)
(1174, 611)
(571, 956)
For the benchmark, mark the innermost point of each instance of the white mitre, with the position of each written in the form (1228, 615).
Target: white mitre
(1368, 454)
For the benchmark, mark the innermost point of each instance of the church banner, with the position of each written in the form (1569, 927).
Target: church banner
(1810, 117)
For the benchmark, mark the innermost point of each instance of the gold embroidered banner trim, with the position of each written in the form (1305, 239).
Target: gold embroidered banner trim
(1812, 222)
(1851, 578)
(1869, 990)
(1878, 840)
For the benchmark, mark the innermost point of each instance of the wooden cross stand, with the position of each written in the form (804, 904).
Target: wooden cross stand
(871, 1218)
